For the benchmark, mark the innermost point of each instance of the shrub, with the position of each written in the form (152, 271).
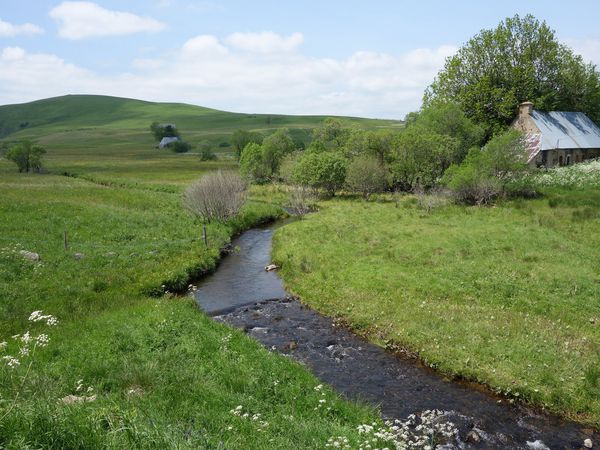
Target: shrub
(326, 170)
(367, 176)
(499, 168)
(179, 147)
(206, 153)
(217, 196)
(301, 200)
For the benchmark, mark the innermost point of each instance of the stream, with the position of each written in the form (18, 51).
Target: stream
(242, 294)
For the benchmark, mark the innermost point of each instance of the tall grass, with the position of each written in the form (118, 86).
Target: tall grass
(508, 296)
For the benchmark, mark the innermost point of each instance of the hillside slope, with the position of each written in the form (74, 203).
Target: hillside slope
(94, 111)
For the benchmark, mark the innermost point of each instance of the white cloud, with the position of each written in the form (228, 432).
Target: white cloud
(206, 71)
(79, 20)
(588, 48)
(204, 45)
(9, 30)
(264, 42)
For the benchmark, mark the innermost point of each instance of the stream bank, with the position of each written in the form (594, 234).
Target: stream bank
(236, 294)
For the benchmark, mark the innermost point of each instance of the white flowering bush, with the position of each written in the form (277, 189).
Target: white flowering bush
(426, 431)
(582, 175)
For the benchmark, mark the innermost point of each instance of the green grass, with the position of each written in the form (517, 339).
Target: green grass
(508, 296)
(165, 375)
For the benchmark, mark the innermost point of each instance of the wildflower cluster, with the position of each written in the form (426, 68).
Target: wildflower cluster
(586, 174)
(427, 431)
(322, 402)
(27, 343)
(255, 418)
(80, 387)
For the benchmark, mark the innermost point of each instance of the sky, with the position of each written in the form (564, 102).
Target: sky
(331, 57)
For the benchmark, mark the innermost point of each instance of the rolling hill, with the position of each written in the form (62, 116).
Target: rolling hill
(74, 112)
(108, 139)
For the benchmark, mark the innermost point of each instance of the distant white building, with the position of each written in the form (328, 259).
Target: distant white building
(166, 141)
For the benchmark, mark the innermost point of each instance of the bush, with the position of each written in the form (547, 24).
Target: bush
(499, 168)
(324, 170)
(367, 176)
(217, 196)
(27, 156)
(301, 200)
(206, 153)
(179, 147)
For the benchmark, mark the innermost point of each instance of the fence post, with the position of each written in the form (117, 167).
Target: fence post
(204, 237)
(66, 241)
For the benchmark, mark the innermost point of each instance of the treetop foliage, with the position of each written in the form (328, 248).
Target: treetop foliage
(27, 156)
(520, 60)
(160, 131)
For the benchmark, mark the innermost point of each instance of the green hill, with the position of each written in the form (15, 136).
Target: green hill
(112, 113)
(108, 139)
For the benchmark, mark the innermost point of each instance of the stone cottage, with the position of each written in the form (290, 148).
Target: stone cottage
(557, 138)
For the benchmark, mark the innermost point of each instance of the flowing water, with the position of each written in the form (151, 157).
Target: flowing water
(243, 294)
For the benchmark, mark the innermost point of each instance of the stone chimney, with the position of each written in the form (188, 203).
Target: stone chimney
(525, 109)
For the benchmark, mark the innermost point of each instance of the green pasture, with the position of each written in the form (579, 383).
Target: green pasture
(508, 296)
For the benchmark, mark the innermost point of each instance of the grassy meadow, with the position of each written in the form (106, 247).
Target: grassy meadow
(161, 374)
(508, 296)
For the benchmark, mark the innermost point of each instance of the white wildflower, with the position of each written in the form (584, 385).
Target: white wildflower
(11, 361)
(42, 340)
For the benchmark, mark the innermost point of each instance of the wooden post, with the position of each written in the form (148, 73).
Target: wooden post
(204, 235)
(66, 241)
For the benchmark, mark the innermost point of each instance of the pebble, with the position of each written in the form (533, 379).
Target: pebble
(78, 256)
(588, 443)
(31, 256)
(473, 437)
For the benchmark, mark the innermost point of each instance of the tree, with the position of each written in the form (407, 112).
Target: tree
(520, 60)
(241, 138)
(252, 164)
(325, 170)
(449, 120)
(366, 175)
(331, 133)
(420, 156)
(160, 131)
(275, 147)
(217, 196)
(27, 156)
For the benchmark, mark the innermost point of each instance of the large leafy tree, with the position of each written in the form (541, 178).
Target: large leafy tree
(520, 60)
(27, 156)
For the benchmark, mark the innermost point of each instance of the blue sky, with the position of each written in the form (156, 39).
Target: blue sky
(360, 58)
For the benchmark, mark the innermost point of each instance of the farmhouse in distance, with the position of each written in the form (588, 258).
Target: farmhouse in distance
(557, 138)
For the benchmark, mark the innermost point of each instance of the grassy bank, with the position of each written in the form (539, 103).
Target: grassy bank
(162, 374)
(507, 296)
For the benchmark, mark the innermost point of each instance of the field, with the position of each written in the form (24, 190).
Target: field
(508, 296)
(162, 374)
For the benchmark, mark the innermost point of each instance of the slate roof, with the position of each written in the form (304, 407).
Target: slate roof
(566, 130)
(167, 140)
